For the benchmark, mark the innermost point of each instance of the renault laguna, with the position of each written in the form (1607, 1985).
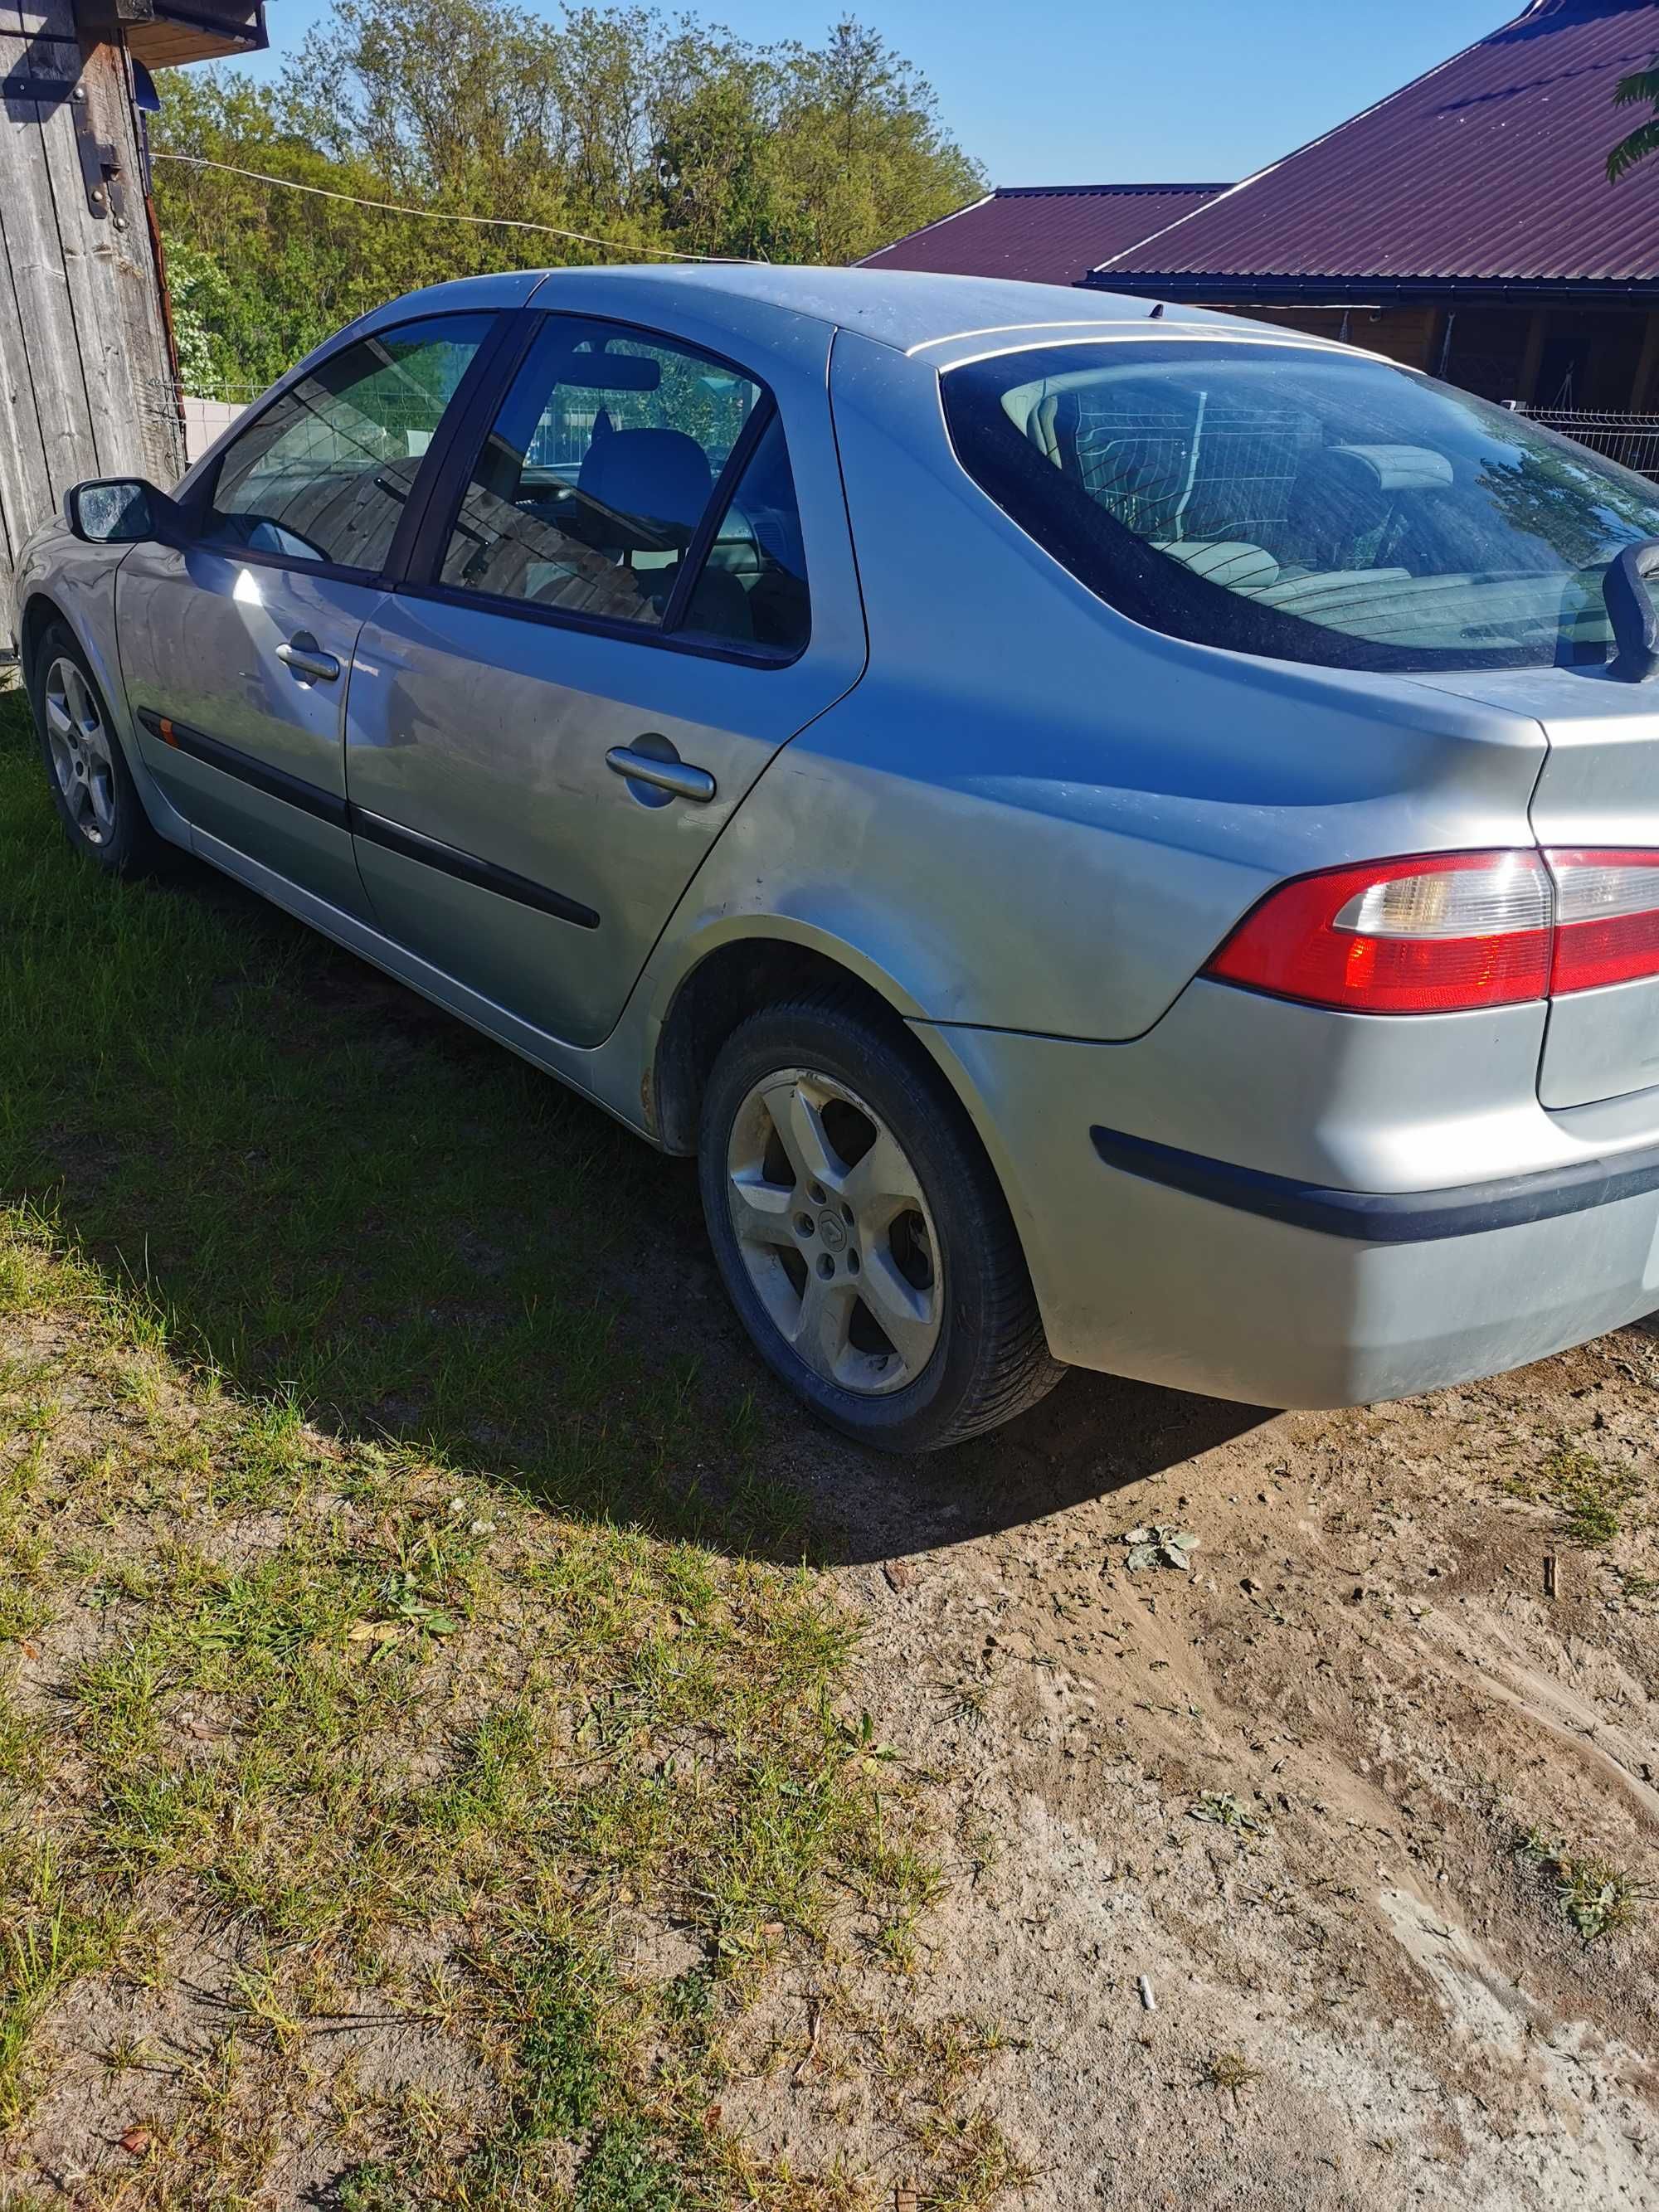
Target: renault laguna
(1117, 836)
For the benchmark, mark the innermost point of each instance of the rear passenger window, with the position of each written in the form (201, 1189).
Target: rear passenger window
(597, 473)
(757, 549)
(592, 492)
(325, 472)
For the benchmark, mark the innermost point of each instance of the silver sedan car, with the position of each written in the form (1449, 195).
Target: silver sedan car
(1118, 837)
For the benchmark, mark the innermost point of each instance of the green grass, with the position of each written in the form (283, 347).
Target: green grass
(325, 1190)
(389, 1644)
(1592, 1894)
(1591, 1496)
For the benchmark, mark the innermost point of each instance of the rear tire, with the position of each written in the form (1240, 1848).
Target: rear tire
(87, 773)
(861, 1234)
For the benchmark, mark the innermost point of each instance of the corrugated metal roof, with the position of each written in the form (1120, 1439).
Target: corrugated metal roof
(1490, 168)
(1043, 233)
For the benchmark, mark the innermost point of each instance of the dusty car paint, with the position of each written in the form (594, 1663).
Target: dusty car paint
(1021, 818)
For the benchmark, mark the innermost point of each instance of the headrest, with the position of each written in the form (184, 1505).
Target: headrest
(1240, 567)
(661, 476)
(1400, 468)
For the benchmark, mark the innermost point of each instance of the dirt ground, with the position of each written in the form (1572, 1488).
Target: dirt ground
(1360, 1987)
(1252, 1871)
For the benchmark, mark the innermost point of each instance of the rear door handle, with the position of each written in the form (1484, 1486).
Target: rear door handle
(302, 653)
(676, 776)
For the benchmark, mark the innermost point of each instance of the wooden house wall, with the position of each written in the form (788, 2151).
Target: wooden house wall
(85, 372)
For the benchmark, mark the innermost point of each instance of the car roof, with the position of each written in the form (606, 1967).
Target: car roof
(900, 308)
(908, 309)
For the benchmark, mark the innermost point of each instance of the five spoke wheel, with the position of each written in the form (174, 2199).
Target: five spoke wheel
(834, 1228)
(79, 746)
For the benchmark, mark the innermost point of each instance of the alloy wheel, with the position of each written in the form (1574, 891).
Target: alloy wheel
(80, 745)
(834, 1230)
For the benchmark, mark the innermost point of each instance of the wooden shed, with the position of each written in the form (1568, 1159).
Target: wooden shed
(87, 375)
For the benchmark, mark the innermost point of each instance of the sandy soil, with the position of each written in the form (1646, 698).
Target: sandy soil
(1365, 1661)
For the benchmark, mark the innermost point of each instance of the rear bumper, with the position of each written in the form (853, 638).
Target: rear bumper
(1173, 1264)
(1395, 1217)
(1362, 1296)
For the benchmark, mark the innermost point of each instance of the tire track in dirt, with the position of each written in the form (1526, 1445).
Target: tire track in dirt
(1364, 1662)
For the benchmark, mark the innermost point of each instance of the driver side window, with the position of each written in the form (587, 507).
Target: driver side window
(324, 473)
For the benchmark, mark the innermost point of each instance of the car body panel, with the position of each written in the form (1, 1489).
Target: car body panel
(1023, 822)
(1599, 786)
(488, 729)
(199, 631)
(1112, 799)
(1173, 1289)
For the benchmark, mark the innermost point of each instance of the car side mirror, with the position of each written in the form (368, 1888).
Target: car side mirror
(122, 511)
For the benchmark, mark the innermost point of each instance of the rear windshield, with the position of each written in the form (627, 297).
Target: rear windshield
(1310, 506)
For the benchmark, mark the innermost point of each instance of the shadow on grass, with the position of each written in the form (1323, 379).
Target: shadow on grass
(332, 1190)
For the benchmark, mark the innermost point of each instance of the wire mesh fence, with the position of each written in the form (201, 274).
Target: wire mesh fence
(1630, 439)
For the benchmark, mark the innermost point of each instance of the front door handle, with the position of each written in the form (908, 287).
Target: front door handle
(302, 653)
(678, 777)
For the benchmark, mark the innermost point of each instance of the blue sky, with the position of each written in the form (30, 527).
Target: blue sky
(1099, 91)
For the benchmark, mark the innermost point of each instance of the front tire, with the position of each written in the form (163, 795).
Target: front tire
(87, 772)
(860, 1232)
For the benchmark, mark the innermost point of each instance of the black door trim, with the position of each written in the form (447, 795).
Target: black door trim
(357, 822)
(275, 782)
(695, 556)
(412, 845)
(477, 398)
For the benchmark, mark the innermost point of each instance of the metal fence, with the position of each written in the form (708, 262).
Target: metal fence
(1630, 439)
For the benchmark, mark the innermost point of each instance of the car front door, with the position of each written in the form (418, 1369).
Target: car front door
(236, 649)
(637, 585)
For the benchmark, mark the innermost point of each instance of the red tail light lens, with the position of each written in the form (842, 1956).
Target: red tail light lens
(1607, 918)
(1441, 932)
(1433, 934)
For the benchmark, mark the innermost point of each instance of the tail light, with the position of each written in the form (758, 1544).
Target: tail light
(1607, 918)
(1441, 933)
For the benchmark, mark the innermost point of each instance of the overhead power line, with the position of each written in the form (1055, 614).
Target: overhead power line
(441, 215)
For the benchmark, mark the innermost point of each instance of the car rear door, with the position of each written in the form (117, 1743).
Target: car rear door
(634, 584)
(236, 649)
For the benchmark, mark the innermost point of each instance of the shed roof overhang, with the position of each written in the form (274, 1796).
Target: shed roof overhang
(164, 33)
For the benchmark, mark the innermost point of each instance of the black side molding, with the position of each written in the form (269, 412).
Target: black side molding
(275, 782)
(326, 806)
(1408, 1216)
(374, 829)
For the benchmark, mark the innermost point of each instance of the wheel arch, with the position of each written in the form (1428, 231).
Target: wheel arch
(39, 611)
(747, 969)
(85, 608)
(774, 957)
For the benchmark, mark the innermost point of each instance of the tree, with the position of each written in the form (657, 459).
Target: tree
(639, 132)
(1640, 88)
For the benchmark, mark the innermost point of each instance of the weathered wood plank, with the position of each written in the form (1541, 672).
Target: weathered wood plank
(85, 371)
(85, 374)
(25, 483)
(39, 19)
(45, 371)
(111, 280)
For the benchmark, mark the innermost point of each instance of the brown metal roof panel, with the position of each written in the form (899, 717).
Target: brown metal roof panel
(1491, 168)
(1042, 234)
